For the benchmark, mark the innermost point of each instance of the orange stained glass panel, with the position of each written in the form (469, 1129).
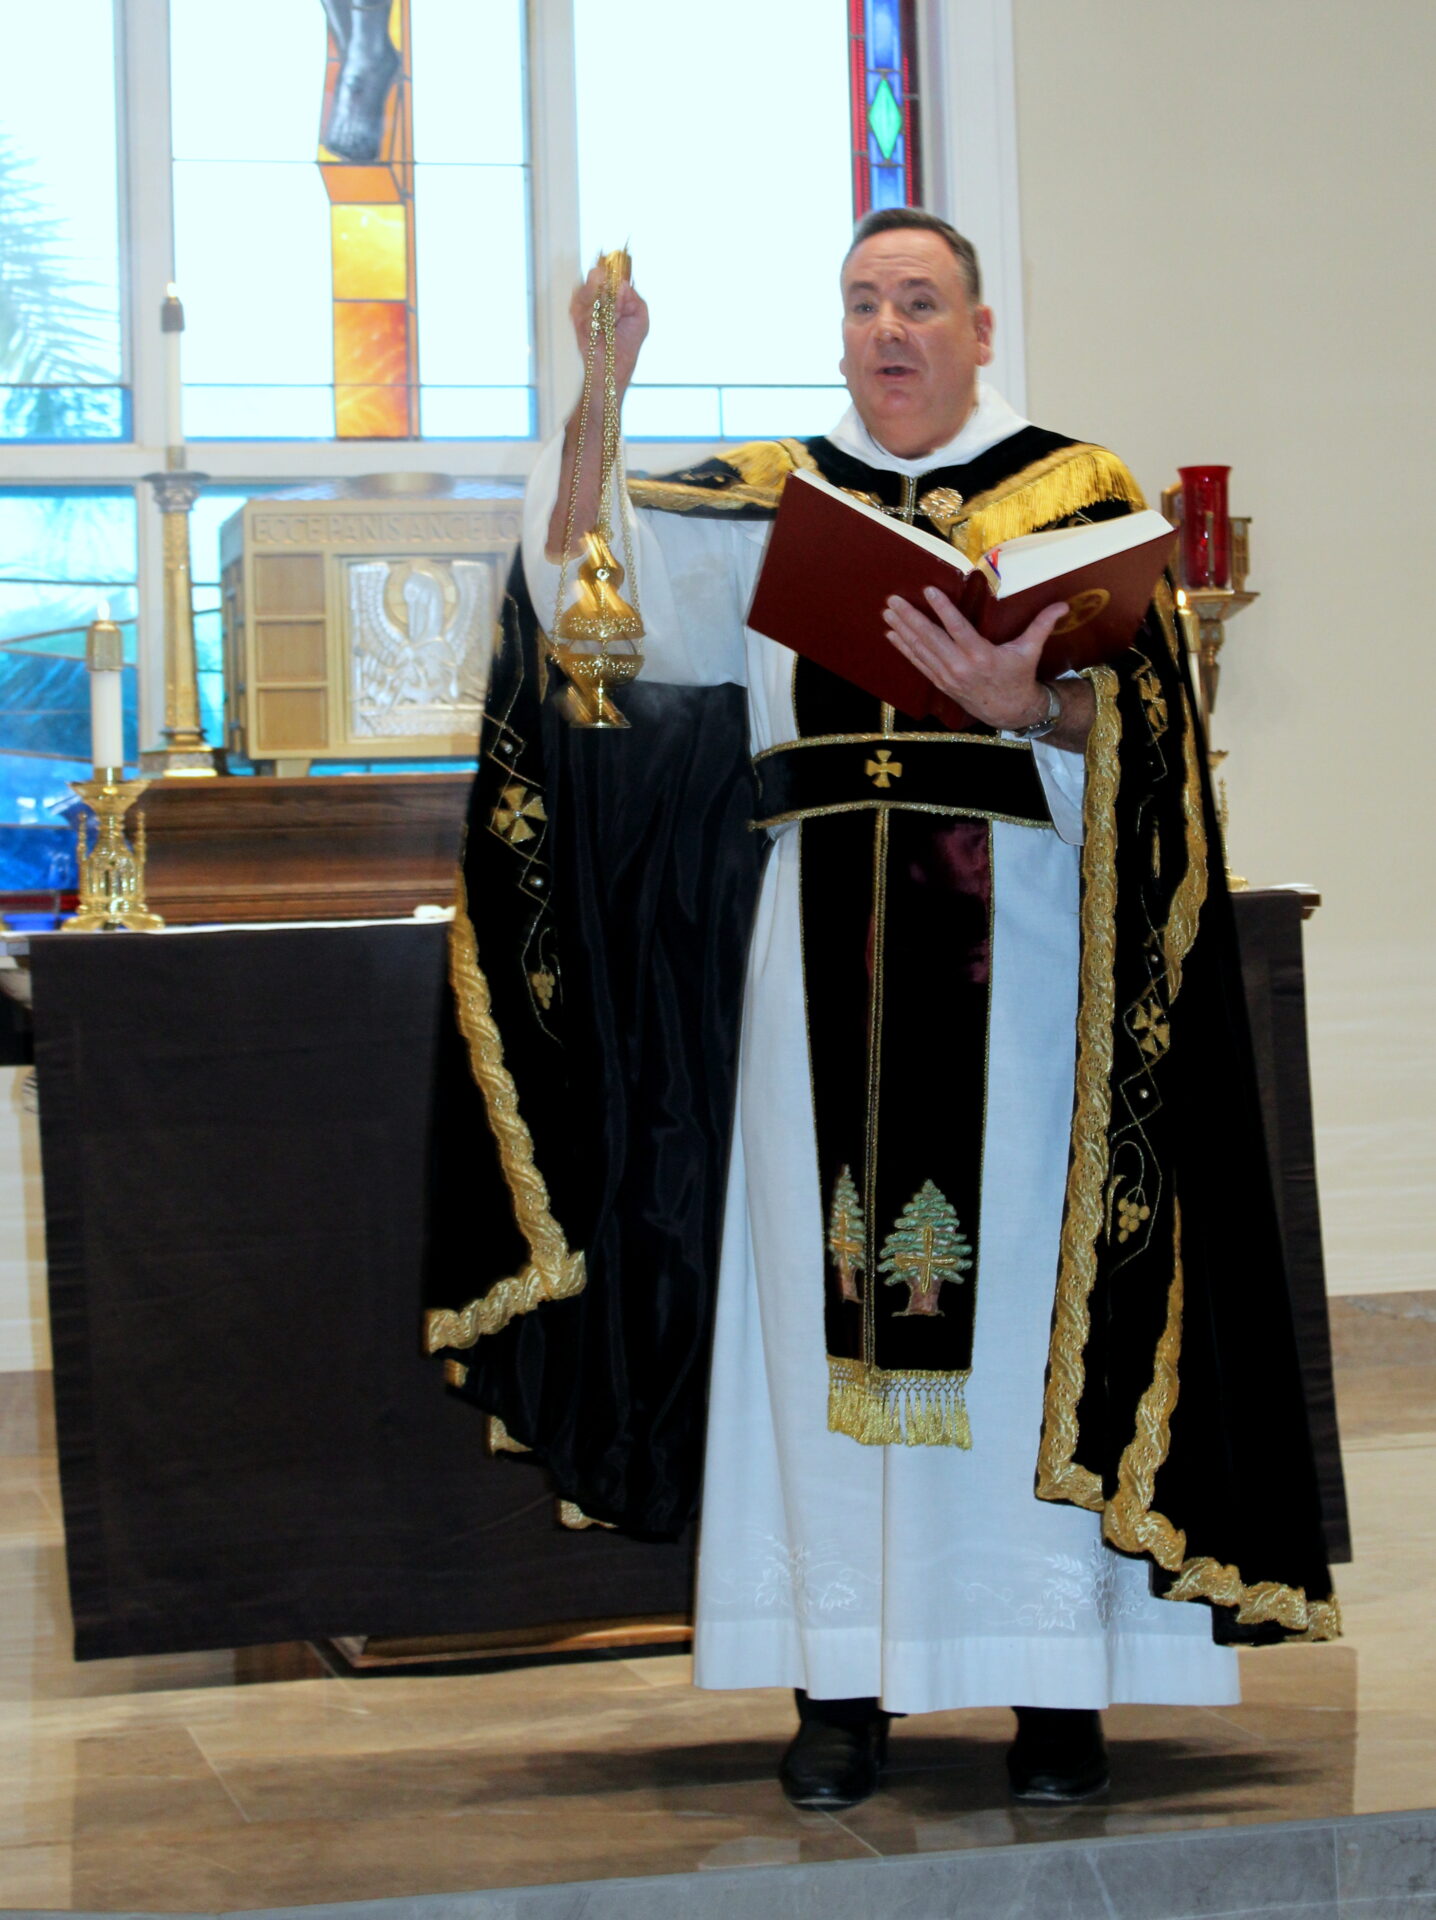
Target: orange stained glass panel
(371, 413)
(354, 186)
(371, 343)
(371, 252)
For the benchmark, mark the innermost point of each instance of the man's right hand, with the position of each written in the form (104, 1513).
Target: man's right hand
(630, 328)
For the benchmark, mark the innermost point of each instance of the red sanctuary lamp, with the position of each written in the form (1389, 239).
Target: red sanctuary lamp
(1206, 530)
(1212, 586)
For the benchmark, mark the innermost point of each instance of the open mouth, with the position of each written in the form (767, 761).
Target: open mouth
(897, 373)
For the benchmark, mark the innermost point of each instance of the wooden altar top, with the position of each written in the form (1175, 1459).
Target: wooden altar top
(324, 847)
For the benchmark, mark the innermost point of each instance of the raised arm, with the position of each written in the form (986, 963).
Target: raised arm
(630, 331)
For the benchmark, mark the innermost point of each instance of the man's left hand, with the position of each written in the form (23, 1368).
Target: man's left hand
(996, 685)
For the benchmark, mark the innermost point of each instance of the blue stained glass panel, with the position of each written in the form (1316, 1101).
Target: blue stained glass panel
(61, 553)
(884, 34)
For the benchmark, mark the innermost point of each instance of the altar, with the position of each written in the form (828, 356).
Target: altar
(252, 1445)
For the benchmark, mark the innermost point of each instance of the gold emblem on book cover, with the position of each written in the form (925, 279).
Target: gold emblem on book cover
(1083, 607)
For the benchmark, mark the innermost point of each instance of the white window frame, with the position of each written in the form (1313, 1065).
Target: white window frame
(969, 136)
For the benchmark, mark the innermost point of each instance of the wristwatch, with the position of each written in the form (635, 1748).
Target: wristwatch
(1040, 729)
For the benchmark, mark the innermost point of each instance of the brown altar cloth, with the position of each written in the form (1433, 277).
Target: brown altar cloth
(251, 1446)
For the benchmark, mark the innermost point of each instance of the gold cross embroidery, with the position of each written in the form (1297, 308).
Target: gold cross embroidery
(517, 807)
(884, 770)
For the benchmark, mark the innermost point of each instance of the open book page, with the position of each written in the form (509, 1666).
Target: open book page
(1034, 558)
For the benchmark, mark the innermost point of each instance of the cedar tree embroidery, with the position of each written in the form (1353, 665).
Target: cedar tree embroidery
(924, 1249)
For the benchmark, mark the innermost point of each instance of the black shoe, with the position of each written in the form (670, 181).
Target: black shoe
(837, 1755)
(1059, 1756)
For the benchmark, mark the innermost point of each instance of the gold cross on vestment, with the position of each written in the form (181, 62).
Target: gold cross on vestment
(884, 770)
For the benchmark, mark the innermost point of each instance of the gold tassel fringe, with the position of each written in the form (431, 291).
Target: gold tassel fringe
(880, 1409)
(1063, 483)
(762, 466)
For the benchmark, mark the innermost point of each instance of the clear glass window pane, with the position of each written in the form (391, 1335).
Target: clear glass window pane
(246, 83)
(252, 263)
(737, 252)
(61, 375)
(468, 82)
(473, 298)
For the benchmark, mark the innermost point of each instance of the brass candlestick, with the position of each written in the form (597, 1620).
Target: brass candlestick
(185, 750)
(112, 872)
(595, 641)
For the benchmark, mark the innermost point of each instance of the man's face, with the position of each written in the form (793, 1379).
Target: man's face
(912, 342)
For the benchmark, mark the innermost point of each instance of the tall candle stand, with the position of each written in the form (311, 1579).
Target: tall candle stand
(112, 870)
(185, 750)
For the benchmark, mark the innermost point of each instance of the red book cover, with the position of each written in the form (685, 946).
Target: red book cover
(832, 564)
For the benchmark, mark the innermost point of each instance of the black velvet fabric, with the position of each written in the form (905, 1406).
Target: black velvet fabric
(626, 1078)
(891, 903)
(1186, 1158)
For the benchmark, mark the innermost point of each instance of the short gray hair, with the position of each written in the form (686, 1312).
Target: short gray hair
(919, 220)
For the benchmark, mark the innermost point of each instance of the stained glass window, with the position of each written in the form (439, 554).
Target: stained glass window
(884, 105)
(353, 257)
(60, 356)
(61, 553)
(732, 184)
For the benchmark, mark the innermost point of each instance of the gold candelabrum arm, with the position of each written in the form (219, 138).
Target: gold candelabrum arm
(595, 640)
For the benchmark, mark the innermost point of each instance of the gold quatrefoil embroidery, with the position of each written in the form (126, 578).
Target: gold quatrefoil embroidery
(517, 807)
(883, 770)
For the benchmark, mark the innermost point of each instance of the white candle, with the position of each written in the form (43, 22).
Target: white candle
(105, 657)
(172, 326)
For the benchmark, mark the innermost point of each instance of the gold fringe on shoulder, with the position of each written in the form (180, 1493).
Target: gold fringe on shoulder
(553, 1272)
(881, 1409)
(763, 467)
(1060, 484)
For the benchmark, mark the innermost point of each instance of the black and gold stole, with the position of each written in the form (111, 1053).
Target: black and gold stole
(896, 906)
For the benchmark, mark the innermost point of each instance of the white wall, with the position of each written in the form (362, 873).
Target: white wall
(1228, 240)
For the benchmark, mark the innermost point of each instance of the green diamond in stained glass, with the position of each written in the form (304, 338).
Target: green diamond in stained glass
(885, 119)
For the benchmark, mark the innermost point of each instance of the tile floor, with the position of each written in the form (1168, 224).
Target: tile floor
(265, 1778)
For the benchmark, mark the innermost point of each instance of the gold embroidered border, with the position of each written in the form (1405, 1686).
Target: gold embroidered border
(903, 739)
(553, 1272)
(914, 1409)
(1191, 894)
(763, 467)
(1058, 1475)
(500, 1440)
(1132, 1524)
(898, 806)
(572, 1516)
(1060, 484)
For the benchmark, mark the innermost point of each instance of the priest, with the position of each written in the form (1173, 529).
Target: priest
(933, 1044)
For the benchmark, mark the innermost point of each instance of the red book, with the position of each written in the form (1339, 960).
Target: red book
(833, 562)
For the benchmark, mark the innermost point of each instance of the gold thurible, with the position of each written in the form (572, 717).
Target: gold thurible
(595, 641)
